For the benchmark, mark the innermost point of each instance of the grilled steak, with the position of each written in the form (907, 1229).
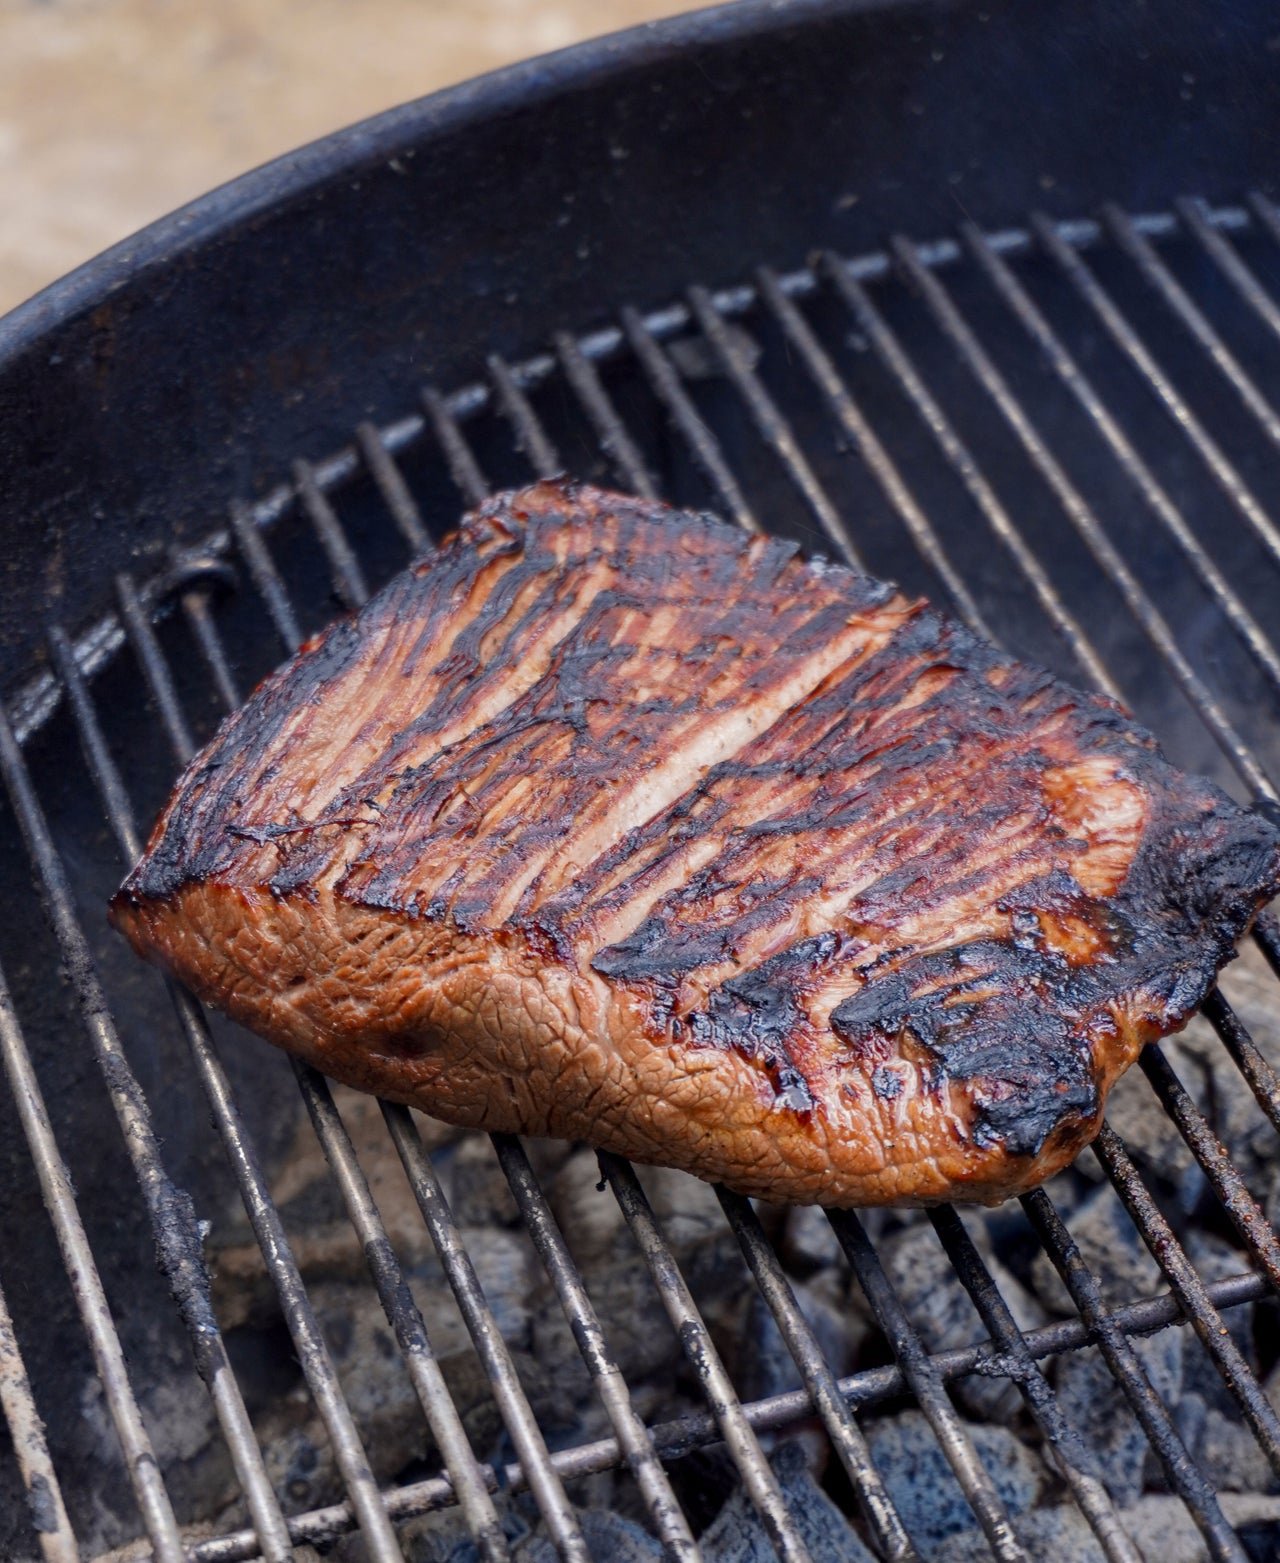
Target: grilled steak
(613, 823)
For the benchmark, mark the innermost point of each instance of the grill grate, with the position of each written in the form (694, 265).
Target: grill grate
(713, 399)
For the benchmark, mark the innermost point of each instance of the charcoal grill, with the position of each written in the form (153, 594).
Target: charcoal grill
(1058, 417)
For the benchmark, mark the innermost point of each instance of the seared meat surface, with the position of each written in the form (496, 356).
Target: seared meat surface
(609, 822)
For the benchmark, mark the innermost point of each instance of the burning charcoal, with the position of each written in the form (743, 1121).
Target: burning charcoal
(1111, 1247)
(1164, 1532)
(551, 1397)
(918, 1266)
(479, 1194)
(505, 1265)
(922, 1485)
(444, 1537)
(737, 1536)
(640, 1338)
(324, 1242)
(1229, 1103)
(296, 1453)
(808, 1243)
(1218, 1439)
(1060, 1533)
(762, 1363)
(1135, 1113)
(609, 1535)
(197, 1465)
(1228, 1453)
(835, 1307)
(1095, 1405)
(588, 1214)
(1215, 1259)
(687, 1209)
(297, 1449)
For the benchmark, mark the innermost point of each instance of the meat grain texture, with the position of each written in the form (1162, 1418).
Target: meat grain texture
(610, 822)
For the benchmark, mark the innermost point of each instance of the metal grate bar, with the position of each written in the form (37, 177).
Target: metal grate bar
(953, 1438)
(531, 438)
(191, 1289)
(607, 424)
(818, 1379)
(757, 1476)
(1266, 933)
(138, 631)
(925, 1382)
(44, 1495)
(1080, 514)
(1157, 500)
(702, 444)
(1122, 333)
(178, 1242)
(770, 422)
(155, 669)
(405, 1319)
(1195, 218)
(891, 352)
(878, 332)
(671, 319)
(36, 700)
(1190, 1290)
(1065, 1448)
(666, 1265)
(462, 464)
(172, 1216)
(698, 1429)
(1245, 1054)
(1258, 1233)
(959, 1450)
(850, 418)
(1184, 1475)
(611, 433)
(348, 577)
(392, 487)
(1264, 213)
(1157, 275)
(517, 1414)
(265, 576)
(790, 1323)
(468, 1481)
(629, 1430)
(77, 1258)
(196, 611)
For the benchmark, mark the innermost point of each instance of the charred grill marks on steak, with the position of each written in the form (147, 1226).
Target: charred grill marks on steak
(798, 818)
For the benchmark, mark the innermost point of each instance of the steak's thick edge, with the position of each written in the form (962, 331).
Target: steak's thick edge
(607, 821)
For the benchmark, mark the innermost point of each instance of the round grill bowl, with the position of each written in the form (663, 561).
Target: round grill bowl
(666, 260)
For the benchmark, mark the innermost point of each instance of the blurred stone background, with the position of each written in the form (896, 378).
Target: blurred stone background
(113, 112)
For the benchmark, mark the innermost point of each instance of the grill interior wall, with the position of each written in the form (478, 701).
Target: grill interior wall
(771, 486)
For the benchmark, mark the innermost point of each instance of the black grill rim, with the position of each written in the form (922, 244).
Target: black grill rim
(133, 397)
